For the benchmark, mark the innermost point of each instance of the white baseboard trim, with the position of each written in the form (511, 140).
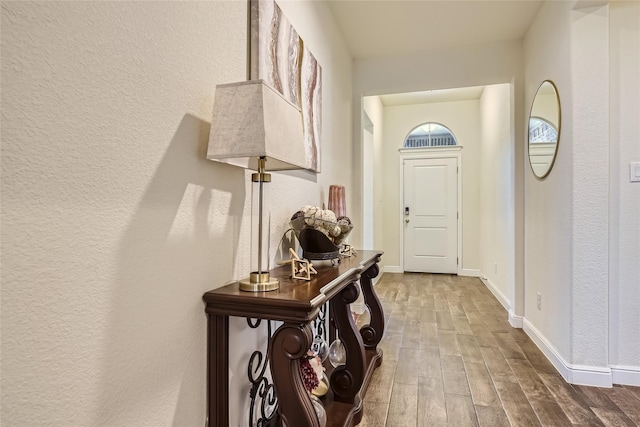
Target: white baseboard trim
(514, 320)
(574, 374)
(392, 269)
(590, 375)
(546, 348)
(626, 375)
(468, 272)
(496, 293)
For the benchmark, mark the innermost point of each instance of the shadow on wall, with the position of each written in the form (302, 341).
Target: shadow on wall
(181, 242)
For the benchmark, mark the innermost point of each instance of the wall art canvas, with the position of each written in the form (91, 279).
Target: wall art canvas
(279, 57)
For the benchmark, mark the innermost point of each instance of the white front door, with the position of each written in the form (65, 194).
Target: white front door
(430, 216)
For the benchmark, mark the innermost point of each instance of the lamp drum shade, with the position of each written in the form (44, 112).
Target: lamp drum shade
(251, 120)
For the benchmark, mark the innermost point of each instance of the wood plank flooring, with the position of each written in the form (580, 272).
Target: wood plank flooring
(452, 359)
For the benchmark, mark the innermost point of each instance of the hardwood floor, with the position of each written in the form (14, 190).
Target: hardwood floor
(452, 359)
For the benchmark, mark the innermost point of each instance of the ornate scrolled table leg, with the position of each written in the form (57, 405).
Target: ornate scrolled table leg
(346, 380)
(372, 333)
(288, 344)
(218, 371)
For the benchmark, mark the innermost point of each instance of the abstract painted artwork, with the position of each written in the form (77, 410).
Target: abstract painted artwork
(279, 57)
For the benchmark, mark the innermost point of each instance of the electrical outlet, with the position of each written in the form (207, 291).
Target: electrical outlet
(539, 301)
(495, 268)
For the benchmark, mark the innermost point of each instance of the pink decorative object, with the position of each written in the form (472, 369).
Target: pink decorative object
(309, 376)
(337, 202)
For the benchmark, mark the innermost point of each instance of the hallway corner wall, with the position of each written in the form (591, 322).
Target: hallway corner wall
(548, 226)
(497, 192)
(624, 239)
(576, 256)
(374, 109)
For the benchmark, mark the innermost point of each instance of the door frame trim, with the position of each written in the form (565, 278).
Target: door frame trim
(431, 153)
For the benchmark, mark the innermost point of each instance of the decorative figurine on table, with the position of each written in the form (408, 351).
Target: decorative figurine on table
(347, 251)
(300, 268)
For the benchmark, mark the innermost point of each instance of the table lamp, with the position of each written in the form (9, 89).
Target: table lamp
(255, 127)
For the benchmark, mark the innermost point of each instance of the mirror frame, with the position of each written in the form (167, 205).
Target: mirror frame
(555, 152)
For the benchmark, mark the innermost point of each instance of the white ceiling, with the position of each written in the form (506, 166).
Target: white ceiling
(373, 28)
(426, 97)
(392, 27)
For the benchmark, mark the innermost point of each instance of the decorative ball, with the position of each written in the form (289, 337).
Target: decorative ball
(297, 215)
(322, 388)
(344, 220)
(337, 353)
(320, 348)
(323, 220)
(311, 214)
(328, 216)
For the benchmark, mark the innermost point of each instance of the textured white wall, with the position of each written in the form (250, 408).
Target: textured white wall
(624, 239)
(113, 222)
(497, 189)
(462, 117)
(548, 204)
(590, 221)
(367, 188)
(374, 109)
(576, 249)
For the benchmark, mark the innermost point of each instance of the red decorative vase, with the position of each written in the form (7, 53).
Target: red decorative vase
(337, 202)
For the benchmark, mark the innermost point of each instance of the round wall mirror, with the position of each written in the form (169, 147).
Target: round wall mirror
(544, 129)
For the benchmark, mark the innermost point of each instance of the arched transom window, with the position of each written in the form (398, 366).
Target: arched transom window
(541, 131)
(430, 135)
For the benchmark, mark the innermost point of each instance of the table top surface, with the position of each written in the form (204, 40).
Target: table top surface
(296, 298)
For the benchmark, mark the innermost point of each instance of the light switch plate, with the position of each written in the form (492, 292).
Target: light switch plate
(634, 171)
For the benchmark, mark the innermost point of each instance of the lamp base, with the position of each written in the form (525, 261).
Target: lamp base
(259, 282)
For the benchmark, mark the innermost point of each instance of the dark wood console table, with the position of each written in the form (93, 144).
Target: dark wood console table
(296, 304)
